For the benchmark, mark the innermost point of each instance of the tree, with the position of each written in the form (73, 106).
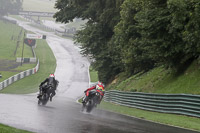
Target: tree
(134, 55)
(102, 16)
(191, 32)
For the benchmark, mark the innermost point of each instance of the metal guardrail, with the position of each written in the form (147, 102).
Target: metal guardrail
(184, 104)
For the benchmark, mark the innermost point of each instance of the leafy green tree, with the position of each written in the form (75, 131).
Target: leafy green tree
(134, 55)
(152, 34)
(191, 33)
(170, 35)
(157, 32)
(102, 16)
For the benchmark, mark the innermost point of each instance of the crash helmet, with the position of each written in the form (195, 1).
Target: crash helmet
(100, 83)
(52, 75)
(100, 86)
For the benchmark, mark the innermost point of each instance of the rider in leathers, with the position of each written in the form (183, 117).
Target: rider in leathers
(50, 81)
(99, 87)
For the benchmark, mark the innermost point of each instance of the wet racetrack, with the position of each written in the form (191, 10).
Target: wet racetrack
(64, 115)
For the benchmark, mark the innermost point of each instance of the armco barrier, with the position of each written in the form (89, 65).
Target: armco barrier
(19, 76)
(184, 104)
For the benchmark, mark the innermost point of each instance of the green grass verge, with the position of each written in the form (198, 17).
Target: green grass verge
(8, 41)
(168, 119)
(159, 80)
(93, 75)
(8, 129)
(30, 84)
(27, 52)
(186, 82)
(25, 67)
(6, 75)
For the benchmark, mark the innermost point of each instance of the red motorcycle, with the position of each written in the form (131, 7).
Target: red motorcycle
(93, 99)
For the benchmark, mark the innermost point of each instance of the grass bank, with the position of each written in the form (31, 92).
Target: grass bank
(8, 41)
(9, 36)
(93, 75)
(47, 65)
(8, 129)
(160, 80)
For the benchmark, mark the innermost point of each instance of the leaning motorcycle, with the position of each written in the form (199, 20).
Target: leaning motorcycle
(42, 100)
(93, 100)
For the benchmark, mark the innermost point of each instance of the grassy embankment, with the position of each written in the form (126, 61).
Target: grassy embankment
(8, 42)
(8, 129)
(93, 75)
(7, 48)
(47, 65)
(158, 80)
(43, 52)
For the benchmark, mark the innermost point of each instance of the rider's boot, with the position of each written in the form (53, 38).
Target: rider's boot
(51, 98)
(40, 94)
(84, 103)
(85, 99)
(52, 94)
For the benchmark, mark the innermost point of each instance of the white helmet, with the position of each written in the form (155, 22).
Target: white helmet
(100, 83)
(52, 75)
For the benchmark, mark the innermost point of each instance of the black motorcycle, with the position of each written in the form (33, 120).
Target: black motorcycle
(46, 93)
(93, 100)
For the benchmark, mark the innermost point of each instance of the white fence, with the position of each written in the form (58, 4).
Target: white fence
(19, 76)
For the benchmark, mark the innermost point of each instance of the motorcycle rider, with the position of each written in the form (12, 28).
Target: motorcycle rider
(99, 87)
(50, 81)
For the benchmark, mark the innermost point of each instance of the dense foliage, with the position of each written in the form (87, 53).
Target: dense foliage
(10, 6)
(135, 35)
(102, 16)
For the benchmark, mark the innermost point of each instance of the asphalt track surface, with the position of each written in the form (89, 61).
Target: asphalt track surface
(63, 114)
